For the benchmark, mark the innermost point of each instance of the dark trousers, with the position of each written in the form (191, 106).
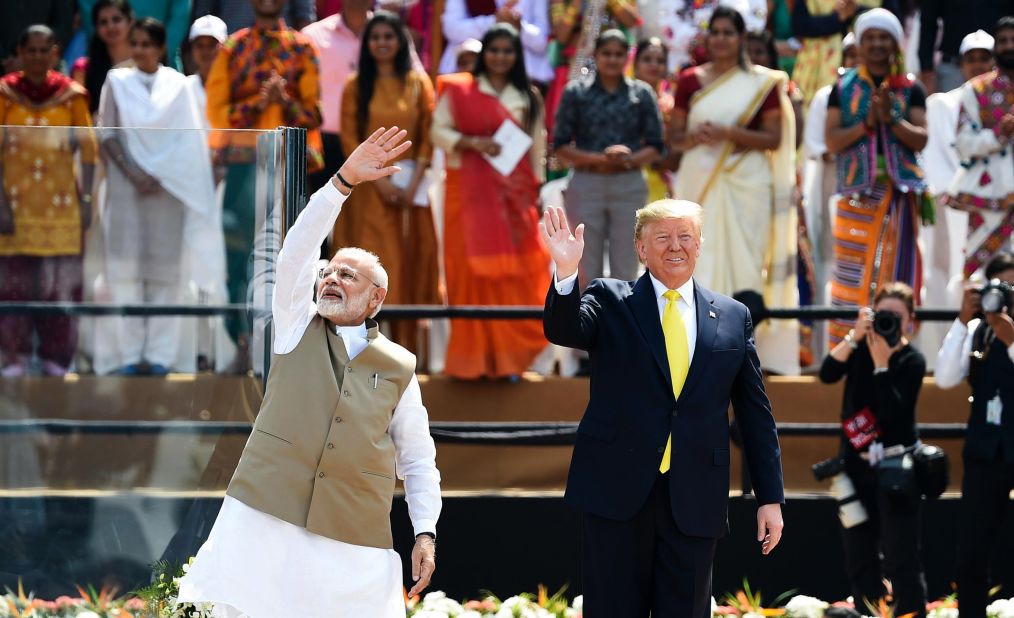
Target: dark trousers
(985, 489)
(26, 278)
(894, 528)
(645, 565)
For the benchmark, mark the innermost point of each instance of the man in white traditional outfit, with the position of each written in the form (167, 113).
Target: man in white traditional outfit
(943, 242)
(305, 527)
(984, 183)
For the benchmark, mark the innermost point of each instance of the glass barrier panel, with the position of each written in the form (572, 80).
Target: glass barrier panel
(135, 286)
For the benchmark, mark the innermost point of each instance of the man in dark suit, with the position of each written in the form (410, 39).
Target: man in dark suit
(650, 470)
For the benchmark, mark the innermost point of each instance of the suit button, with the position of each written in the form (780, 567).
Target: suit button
(674, 411)
(346, 393)
(321, 475)
(337, 419)
(348, 369)
(661, 450)
(330, 444)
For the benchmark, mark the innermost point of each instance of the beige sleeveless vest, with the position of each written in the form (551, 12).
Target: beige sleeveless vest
(319, 455)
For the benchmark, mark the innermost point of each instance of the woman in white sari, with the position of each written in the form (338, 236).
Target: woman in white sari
(160, 221)
(734, 124)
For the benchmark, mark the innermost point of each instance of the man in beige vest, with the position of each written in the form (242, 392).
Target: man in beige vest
(305, 529)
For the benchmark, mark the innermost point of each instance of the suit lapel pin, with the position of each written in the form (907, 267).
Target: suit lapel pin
(711, 314)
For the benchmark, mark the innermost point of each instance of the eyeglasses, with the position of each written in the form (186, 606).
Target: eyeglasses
(346, 273)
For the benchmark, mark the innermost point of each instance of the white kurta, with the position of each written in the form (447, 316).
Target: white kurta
(256, 565)
(943, 242)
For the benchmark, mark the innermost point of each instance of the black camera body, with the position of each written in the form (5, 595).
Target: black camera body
(996, 296)
(887, 324)
(823, 470)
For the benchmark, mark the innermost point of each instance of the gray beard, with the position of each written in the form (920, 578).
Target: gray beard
(343, 312)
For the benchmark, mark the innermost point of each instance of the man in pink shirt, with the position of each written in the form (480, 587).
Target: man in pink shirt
(337, 39)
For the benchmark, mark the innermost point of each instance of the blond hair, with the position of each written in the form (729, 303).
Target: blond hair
(660, 210)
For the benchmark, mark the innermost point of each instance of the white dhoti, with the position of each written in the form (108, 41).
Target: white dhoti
(256, 565)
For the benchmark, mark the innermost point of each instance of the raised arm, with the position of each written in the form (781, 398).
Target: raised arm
(569, 318)
(292, 306)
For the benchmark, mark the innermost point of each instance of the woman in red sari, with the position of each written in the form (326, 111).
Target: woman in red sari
(493, 253)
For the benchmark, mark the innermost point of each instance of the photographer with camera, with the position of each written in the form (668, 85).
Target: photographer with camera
(880, 505)
(980, 346)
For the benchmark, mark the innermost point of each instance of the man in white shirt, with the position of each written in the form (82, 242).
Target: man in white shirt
(944, 241)
(470, 19)
(982, 349)
(305, 529)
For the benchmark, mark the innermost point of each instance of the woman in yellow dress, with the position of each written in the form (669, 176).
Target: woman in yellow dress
(44, 206)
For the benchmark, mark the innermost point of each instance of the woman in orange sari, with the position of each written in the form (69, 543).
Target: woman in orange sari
(493, 253)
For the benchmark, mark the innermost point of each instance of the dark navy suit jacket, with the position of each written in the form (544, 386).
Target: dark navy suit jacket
(632, 410)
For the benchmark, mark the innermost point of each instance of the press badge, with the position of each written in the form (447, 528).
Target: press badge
(994, 410)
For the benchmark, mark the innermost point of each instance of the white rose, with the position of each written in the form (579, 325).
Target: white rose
(578, 603)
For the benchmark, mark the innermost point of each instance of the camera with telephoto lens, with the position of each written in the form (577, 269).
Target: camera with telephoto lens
(996, 296)
(851, 511)
(887, 324)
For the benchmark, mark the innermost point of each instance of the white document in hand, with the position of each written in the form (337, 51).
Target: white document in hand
(403, 177)
(514, 144)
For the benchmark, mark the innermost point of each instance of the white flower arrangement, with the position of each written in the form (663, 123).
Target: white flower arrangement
(1001, 608)
(802, 606)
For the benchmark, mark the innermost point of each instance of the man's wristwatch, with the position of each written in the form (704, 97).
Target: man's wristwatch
(429, 534)
(851, 340)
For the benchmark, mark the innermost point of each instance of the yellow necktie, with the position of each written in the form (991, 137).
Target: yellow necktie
(677, 350)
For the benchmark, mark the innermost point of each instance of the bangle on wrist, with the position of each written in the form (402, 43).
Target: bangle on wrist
(850, 339)
(348, 185)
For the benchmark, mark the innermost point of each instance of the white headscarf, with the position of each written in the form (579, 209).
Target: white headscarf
(879, 19)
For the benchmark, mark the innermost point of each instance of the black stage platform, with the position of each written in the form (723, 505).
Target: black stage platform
(504, 544)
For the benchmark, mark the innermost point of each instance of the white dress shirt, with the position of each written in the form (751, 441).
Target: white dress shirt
(685, 304)
(953, 357)
(460, 26)
(259, 566)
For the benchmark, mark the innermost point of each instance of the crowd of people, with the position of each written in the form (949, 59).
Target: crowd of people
(825, 167)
